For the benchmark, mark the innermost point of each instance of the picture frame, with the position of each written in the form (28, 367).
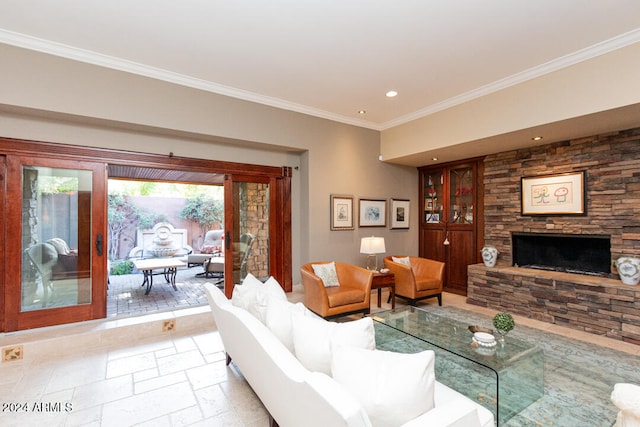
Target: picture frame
(400, 209)
(557, 194)
(432, 218)
(341, 212)
(372, 213)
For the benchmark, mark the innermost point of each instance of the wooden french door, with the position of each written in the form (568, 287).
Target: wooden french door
(257, 229)
(55, 213)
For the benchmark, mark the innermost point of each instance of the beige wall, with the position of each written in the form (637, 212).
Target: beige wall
(603, 83)
(47, 98)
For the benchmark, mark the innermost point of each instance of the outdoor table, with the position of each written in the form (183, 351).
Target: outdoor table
(169, 267)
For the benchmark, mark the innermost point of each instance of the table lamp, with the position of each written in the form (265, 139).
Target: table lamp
(372, 246)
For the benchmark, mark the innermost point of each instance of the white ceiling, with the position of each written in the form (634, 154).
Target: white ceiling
(329, 58)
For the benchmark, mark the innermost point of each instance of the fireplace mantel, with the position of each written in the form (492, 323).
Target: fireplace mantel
(592, 304)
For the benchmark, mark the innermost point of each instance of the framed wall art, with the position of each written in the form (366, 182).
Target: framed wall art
(560, 194)
(342, 212)
(400, 213)
(373, 213)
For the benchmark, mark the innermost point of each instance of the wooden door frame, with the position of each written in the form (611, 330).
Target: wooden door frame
(14, 318)
(279, 176)
(280, 264)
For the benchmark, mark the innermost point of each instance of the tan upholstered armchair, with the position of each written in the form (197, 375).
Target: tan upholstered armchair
(352, 296)
(423, 279)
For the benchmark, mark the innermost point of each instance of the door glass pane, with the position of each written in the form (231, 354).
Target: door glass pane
(250, 230)
(433, 209)
(461, 188)
(56, 237)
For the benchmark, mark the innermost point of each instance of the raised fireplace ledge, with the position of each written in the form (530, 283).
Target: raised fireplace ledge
(592, 304)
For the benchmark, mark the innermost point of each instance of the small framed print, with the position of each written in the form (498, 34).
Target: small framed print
(373, 213)
(341, 212)
(400, 213)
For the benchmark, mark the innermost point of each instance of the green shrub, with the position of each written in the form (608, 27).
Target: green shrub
(121, 267)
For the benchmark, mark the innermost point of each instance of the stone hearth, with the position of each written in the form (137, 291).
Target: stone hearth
(591, 304)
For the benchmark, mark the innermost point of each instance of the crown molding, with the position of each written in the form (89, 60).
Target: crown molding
(90, 57)
(585, 54)
(94, 58)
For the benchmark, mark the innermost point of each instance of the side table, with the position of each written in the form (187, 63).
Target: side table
(385, 280)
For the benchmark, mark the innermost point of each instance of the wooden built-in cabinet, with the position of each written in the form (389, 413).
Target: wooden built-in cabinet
(451, 218)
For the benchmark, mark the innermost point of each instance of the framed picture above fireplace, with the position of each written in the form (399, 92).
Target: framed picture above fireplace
(559, 194)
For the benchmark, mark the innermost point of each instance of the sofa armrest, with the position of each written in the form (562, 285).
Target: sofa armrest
(405, 281)
(354, 276)
(457, 413)
(424, 267)
(315, 294)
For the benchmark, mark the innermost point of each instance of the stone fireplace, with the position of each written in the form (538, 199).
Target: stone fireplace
(590, 297)
(579, 254)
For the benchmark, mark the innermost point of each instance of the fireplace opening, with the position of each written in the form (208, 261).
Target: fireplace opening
(581, 254)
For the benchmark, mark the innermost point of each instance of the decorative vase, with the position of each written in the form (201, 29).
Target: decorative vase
(489, 255)
(501, 335)
(628, 269)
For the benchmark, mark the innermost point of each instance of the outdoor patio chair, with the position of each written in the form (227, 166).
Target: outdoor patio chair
(211, 246)
(43, 257)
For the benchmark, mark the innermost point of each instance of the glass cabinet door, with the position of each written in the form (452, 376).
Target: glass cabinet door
(461, 196)
(434, 198)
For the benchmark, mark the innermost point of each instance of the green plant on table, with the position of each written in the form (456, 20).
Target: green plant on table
(503, 322)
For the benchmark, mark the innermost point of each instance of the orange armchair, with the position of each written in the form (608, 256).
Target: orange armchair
(352, 296)
(424, 279)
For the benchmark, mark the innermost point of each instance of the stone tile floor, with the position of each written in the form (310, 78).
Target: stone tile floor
(118, 373)
(125, 296)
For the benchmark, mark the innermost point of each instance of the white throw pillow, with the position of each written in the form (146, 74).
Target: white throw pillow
(327, 272)
(404, 260)
(244, 295)
(278, 319)
(314, 339)
(392, 387)
(253, 295)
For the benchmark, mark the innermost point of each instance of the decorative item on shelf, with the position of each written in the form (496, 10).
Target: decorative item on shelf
(372, 246)
(629, 269)
(489, 255)
(503, 322)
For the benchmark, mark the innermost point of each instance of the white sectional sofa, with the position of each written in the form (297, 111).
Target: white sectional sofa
(258, 338)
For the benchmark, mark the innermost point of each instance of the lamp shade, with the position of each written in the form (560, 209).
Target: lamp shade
(372, 245)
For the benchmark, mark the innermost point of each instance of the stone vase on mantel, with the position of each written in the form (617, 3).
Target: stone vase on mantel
(489, 255)
(628, 269)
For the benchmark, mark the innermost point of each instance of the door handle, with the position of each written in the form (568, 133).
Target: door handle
(99, 244)
(227, 240)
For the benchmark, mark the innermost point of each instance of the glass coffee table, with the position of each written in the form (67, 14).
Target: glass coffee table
(505, 379)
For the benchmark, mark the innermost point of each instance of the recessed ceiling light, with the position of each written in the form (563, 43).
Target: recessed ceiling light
(536, 138)
(391, 94)
(362, 112)
(434, 158)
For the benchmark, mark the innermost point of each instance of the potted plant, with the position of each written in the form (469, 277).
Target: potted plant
(503, 322)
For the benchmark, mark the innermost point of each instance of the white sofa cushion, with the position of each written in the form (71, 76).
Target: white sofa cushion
(394, 388)
(278, 319)
(457, 413)
(253, 295)
(315, 338)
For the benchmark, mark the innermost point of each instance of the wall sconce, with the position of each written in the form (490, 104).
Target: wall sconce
(372, 246)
